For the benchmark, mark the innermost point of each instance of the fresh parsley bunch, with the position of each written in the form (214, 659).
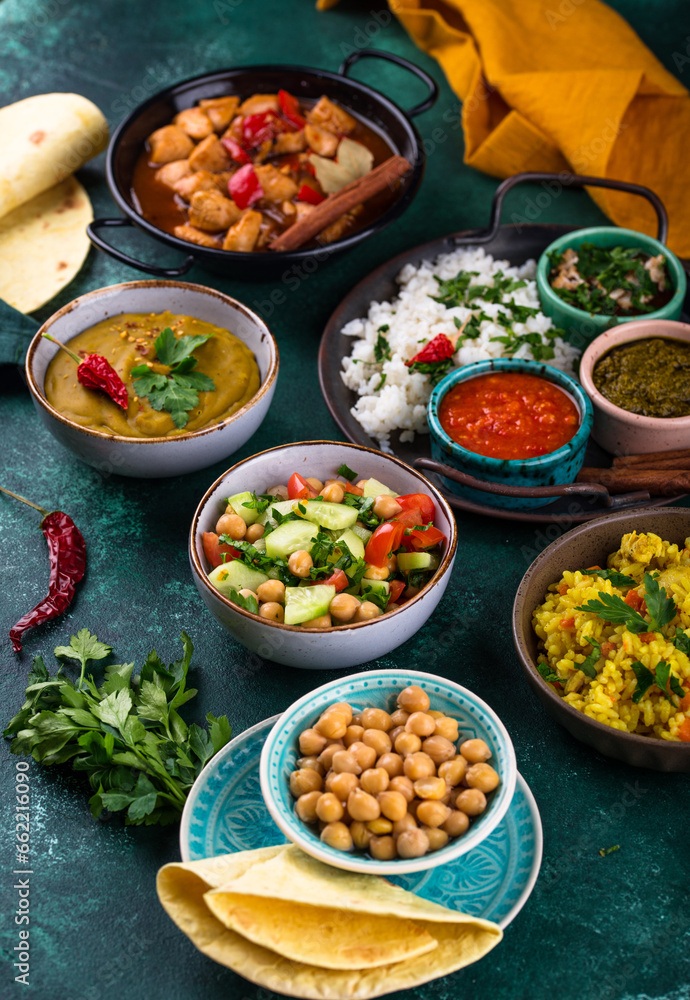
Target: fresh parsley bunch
(178, 391)
(127, 733)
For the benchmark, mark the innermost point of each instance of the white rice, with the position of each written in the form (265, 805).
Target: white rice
(414, 318)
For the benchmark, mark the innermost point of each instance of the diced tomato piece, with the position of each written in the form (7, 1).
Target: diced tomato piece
(563, 588)
(607, 647)
(397, 587)
(349, 488)
(386, 539)
(594, 567)
(684, 731)
(214, 551)
(245, 187)
(409, 518)
(648, 637)
(634, 601)
(425, 539)
(338, 578)
(238, 154)
(299, 488)
(422, 501)
(567, 622)
(310, 195)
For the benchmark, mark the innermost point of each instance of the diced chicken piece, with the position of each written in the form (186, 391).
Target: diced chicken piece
(234, 130)
(257, 104)
(290, 142)
(171, 173)
(621, 296)
(264, 151)
(320, 140)
(169, 143)
(210, 155)
(220, 110)
(243, 235)
(193, 235)
(276, 186)
(211, 211)
(336, 229)
(330, 116)
(195, 122)
(288, 208)
(303, 208)
(202, 180)
(655, 266)
(222, 179)
(567, 275)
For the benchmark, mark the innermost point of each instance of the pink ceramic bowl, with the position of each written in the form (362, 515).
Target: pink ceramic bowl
(618, 430)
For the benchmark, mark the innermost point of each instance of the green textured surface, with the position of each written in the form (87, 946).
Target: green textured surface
(613, 927)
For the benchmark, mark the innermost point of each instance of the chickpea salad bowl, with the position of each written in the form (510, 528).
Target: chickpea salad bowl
(299, 547)
(388, 772)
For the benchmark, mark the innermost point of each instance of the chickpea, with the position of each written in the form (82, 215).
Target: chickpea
(453, 771)
(311, 742)
(363, 806)
(382, 848)
(329, 808)
(412, 843)
(366, 611)
(333, 493)
(482, 776)
(393, 805)
(431, 813)
(399, 717)
(438, 838)
(475, 751)
(430, 788)
(471, 801)
(232, 525)
(254, 532)
(341, 783)
(406, 822)
(386, 507)
(376, 738)
(380, 826)
(435, 714)
(281, 492)
(376, 718)
(305, 780)
(410, 592)
(361, 483)
(439, 749)
(394, 733)
(327, 754)
(323, 621)
(311, 763)
(419, 765)
(246, 592)
(356, 719)
(392, 563)
(392, 763)
(299, 563)
(376, 572)
(413, 699)
(374, 780)
(343, 607)
(447, 727)
(363, 754)
(420, 724)
(315, 483)
(345, 760)
(305, 806)
(353, 734)
(407, 744)
(401, 783)
(338, 836)
(272, 590)
(456, 824)
(332, 726)
(342, 709)
(272, 611)
(361, 835)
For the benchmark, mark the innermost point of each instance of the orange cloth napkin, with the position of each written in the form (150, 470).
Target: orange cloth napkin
(551, 85)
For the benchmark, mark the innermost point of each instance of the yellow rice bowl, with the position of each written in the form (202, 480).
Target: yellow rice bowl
(564, 634)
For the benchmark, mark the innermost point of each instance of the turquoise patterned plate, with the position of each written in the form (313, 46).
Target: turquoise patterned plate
(225, 812)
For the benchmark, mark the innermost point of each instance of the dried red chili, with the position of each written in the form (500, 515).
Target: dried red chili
(439, 349)
(95, 372)
(67, 554)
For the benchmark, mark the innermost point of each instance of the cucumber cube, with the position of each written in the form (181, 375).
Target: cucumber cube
(248, 514)
(380, 587)
(409, 561)
(282, 506)
(373, 488)
(290, 537)
(353, 542)
(362, 532)
(336, 516)
(235, 575)
(304, 603)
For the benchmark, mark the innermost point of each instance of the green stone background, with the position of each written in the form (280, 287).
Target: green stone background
(594, 928)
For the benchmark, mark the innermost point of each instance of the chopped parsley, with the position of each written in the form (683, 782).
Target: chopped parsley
(347, 473)
(177, 392)
(617, 579)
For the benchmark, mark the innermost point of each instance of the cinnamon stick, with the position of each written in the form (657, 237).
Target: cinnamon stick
(342, 201)
(658, 482)
(655, 462)
(680, 453)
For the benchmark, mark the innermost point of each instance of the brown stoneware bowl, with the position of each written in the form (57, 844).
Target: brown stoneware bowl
(587, 545)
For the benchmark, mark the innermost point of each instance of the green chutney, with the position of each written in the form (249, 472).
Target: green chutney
(650, 377)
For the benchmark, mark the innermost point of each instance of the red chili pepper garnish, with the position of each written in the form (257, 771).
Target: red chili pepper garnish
(310, 195)
(67, 553)
(238, 154)
(245, 187)
(95, 372)
(439, 349)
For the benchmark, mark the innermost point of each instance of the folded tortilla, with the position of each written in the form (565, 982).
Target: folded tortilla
(291, 924)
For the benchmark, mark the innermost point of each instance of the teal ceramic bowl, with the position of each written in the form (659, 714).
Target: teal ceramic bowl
(380, 688)
(560, 466)
(581, 327)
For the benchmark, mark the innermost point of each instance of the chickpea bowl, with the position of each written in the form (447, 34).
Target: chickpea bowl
(352, 772)
(309, 580)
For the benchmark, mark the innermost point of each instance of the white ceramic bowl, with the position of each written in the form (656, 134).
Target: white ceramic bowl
(379, 689)
(344, 645)
(620, 431)
(155, 457)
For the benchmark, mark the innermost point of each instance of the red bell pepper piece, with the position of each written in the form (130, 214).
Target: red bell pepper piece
(421, 500)
(214, 551)
(257, 128)
(238, 154)
(439, 349)
(289, 105)
(245, 187)
(338, 578)
(310, 195)
(299, 488)
(386, 539)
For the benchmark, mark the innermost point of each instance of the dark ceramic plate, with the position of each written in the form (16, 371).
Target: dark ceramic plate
(515, 244)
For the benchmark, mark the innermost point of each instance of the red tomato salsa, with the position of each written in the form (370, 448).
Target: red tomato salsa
(509, 415)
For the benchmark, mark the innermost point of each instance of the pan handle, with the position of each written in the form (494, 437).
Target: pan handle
(424, 105)
(565, 180)
(140, 265)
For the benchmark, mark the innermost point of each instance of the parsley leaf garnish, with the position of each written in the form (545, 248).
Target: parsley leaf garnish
(617, 579)
(347, 473)
(681, 641)
(661, 607)
(547, 673)
(661, 676)
(178, 391)
(589, 665)
(382, 349)
(613, 609)
(364, 507)
(83, 647)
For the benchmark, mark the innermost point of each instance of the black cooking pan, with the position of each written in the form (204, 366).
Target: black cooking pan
(377, 111)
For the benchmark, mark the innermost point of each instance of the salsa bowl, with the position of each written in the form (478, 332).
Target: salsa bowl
(154, 457)
(342, 645)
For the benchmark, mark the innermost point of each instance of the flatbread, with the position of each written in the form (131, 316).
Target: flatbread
(184, 890)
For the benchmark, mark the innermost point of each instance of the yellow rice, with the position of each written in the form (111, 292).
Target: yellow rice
(608, 697)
